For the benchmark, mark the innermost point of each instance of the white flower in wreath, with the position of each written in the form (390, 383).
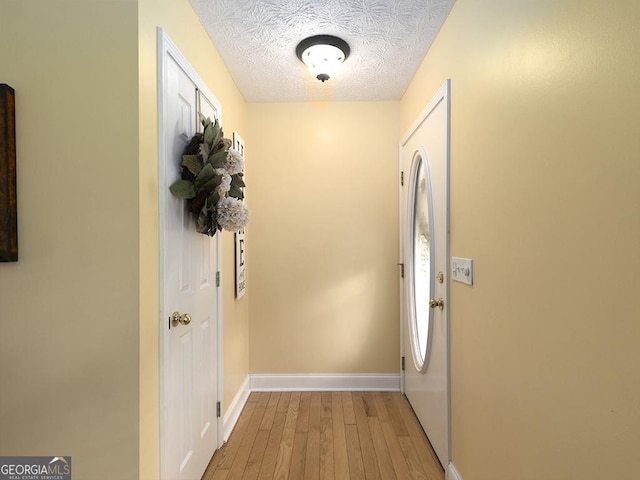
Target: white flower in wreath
(232, 214)
(225, 182)
(235, 162)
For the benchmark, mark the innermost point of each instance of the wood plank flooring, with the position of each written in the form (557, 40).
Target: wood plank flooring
(326, 436)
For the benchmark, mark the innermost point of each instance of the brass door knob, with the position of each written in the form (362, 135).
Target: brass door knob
(437, 303)
(177, 319)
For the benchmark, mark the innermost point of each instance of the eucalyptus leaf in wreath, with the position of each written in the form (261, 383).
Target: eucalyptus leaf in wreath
(212, 134)
(183, 189)
(206, 174)
(236, 192)
(202, 222)
(237, 181)
(192, 163)
(211, 185)
(218, 159)
(212, 181)
(213, 199)
(217, 134)
(208, 134)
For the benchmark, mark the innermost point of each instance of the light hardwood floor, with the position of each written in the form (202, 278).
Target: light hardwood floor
(326, 435)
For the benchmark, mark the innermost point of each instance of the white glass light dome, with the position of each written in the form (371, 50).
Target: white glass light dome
(323, 55)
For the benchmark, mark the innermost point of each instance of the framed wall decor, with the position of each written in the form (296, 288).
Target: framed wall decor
(241, 279)
(8, 203)
(240, 249)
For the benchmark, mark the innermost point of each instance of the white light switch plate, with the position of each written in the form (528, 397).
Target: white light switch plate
(462, 270)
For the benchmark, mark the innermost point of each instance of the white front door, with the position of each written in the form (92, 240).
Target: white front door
(190, 297)
(425, 163)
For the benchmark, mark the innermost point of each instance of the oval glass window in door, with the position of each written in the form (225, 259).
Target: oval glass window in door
(421, 266)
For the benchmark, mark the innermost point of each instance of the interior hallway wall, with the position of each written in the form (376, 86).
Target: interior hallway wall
(545, 196)
(324, 237)
(69, 328)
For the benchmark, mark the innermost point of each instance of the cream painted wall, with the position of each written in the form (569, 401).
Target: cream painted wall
(324, 238)
(544, 197)
(69, 328)
(75, 388)
(177, 18)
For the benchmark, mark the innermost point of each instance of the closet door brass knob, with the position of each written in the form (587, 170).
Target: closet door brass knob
(437, 303)
(177, 319)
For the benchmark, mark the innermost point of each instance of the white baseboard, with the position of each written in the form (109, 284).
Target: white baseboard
(232, 413)
(452, 473)
(322, 382)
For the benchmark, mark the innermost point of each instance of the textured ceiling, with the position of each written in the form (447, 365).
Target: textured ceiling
(257, 41)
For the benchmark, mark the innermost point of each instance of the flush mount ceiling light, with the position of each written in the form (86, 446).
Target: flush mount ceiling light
(323, 55)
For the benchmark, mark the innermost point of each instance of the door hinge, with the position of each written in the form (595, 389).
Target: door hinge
(401, 270)
(403, 364)
(217, 279)
(402, 179)
(218, 409)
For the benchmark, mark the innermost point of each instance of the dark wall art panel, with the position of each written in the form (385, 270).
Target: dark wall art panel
(8, 204)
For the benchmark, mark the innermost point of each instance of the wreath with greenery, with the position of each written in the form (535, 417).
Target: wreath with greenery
(211, 181)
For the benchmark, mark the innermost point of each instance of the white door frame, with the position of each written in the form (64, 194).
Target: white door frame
(442, 95)
(166, 48)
